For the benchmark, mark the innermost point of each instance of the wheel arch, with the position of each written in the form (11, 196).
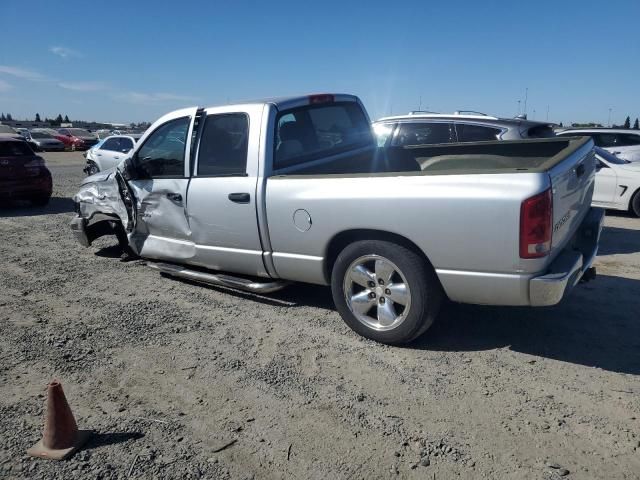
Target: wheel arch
(344, 238)
(635, 195)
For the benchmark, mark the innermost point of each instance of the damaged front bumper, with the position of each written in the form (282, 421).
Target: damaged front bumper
(100, 209)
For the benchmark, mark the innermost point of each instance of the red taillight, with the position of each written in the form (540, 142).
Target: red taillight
(320, 98)
(535, 225)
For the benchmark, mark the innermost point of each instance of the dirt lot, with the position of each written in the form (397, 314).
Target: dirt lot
(167, 373)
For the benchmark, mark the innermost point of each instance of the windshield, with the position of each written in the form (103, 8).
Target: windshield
(610, 157)
(6, 129)
(79, 132)
(40, 135)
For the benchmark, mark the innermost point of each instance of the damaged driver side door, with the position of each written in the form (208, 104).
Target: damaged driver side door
(159, 179)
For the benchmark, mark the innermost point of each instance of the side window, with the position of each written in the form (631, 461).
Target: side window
(110, 144)
(224, 144)
(125, 144)
(423, 134)
(603, 139)
(382, 131)
(627, 140)
(476, 133)
(162, 154)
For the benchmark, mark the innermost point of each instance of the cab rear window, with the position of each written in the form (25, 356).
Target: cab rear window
(317, 131)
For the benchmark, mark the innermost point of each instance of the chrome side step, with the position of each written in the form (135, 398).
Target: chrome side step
(223, 280)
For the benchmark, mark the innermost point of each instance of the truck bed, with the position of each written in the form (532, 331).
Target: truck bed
(517, 156)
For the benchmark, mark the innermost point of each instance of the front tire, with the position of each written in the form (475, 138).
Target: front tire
(385, 291)
(635, 204)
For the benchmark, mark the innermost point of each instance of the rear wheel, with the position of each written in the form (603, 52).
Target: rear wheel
(635, 204)
(384, 291)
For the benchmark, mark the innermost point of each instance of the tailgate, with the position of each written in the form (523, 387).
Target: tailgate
(572, 181)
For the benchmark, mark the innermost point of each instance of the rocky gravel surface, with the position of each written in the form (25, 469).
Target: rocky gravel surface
(179, 380)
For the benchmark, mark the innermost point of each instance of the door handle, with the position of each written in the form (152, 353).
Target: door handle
(240, 197)
(175, 197)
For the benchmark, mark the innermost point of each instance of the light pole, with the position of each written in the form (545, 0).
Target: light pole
(609, 119)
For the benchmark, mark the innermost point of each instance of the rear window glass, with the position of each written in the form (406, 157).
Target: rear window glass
(540, 131)
(476, 133)
(80, 131)
(15, 149)
(316, 131)
(415, 133)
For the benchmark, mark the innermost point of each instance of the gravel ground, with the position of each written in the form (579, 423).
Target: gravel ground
(184, 381)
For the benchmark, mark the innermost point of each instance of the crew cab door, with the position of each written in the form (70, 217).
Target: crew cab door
(158, 176)
(221, 200)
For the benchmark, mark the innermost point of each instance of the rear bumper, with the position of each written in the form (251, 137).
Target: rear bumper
(537, 289)
(26, 188)
(568, 268)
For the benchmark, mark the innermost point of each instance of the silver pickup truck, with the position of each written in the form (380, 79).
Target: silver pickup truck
(254, 196)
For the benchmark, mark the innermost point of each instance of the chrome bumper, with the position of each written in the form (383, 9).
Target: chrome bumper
(568, 268)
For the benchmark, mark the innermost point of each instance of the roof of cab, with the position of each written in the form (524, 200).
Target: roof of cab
(284, 103)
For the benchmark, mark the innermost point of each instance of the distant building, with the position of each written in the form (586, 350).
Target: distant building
(25, 124)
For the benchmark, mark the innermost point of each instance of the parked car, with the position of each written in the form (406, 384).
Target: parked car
(617, 183)
(295, 189)
(23, 174)
(9, 132)
(623, 143)
(77, 138)
(44, 141)
(109, 152)
(426, 128)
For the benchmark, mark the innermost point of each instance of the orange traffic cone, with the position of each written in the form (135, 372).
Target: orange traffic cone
(61, 437)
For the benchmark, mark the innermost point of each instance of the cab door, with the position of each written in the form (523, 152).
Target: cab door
(159, 178)
(222, 204)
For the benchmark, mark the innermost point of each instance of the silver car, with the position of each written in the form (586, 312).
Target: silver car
(109, 153)
(45, 141)
(426, 128)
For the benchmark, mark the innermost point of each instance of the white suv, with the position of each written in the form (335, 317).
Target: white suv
(623, 143)
(109, 152)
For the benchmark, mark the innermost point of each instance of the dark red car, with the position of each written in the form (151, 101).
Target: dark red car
(77, 138)
(23, 174)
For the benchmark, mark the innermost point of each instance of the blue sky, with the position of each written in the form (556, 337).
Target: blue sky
(133, 61)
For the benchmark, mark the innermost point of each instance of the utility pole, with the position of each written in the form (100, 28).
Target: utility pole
(534, 114)
(518, 107)
(547, 113)
(526, 96)
(609, 119)
(420, 106)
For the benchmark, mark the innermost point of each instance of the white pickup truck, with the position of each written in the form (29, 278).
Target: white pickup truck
(294, 189)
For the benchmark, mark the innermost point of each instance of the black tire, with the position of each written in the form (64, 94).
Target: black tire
(425, 291)
(92, 168)
(635, 204)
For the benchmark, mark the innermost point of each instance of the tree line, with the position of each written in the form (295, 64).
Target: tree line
(627, 125)
(57, 121)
